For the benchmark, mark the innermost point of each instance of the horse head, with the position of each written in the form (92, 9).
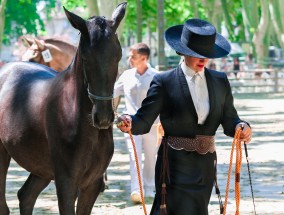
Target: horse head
(34, 52)
(99, 53)
(52, 52)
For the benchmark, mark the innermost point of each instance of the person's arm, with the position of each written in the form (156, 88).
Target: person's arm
(118, 86)
(118, 91)
(230, 116)
(141, 122)
(231, 121)
(116, 101)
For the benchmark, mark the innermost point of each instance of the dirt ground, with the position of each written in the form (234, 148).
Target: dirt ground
(266, 156)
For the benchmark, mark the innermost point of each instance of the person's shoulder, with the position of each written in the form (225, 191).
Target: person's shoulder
(128, 72)
(132, 70)
(168, 74)
(152, 71)
(126, 75)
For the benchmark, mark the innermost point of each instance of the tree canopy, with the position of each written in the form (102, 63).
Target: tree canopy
(22, 16)
(258, 23)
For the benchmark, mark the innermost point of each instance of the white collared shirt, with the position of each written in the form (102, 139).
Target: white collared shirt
(198, 90)
(134, 87)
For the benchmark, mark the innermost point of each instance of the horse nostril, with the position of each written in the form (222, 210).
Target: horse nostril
(101, 121)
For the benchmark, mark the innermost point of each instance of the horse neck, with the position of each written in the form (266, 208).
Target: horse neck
(69, 48)
(76, 72)
(61, 57)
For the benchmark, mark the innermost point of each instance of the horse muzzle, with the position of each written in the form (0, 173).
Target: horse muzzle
(102, 118)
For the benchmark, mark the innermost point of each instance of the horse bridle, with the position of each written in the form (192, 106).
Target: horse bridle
(92, 96)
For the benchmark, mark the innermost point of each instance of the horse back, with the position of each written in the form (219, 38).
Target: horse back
(24, 87)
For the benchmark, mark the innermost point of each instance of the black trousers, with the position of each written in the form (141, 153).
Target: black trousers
(190, 183)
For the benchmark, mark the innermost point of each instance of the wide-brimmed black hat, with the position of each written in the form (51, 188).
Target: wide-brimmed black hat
(197, 38)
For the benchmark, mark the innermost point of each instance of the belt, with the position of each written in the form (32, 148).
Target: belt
(202, 144)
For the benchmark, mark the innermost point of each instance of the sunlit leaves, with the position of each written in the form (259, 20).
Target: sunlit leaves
(21, 16)
(175, 12)
(73, 4)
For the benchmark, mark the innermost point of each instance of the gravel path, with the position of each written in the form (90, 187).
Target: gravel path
(266, 156)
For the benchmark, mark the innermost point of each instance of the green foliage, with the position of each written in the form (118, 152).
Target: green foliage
(21, 17)
(73, 4)
(175, 12)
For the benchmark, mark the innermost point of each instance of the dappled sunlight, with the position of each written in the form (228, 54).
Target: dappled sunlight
(266, 164)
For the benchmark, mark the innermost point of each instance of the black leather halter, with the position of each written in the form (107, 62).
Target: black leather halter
(92, 96)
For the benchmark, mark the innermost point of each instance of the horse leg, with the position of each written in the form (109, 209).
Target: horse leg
(88, 196)
(67, 191)
(5, 159)
(104, 185)
(29, 192)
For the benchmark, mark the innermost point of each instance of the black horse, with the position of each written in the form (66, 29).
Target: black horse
(59, 126)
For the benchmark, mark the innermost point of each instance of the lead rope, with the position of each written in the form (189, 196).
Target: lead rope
(237, 143)
(136, 162)
(138, 172)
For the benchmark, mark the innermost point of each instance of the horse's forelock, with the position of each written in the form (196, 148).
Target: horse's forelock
(98, 29)
(99, 21)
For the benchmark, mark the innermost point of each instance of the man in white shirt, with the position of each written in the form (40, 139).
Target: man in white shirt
(134, 84)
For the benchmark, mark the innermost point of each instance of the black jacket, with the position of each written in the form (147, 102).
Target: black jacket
(169, 97)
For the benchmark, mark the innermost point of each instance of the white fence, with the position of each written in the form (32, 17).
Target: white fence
(257, 81)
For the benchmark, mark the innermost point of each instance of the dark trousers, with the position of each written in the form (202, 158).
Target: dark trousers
(190, 183)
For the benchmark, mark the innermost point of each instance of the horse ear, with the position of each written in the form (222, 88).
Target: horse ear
(118, 14)
(76, 21)
(40, 44)
(27, 40)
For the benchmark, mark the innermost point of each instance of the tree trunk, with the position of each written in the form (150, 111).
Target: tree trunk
(250, 17)
(193, 5)
(277, 14)
(106, 8)
(139, 21)
(258, 37)
(214, 10)
(161, 41)
(92, 7)
(227, 17)
(2, 20)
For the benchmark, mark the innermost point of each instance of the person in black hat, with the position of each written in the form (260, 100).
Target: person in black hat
(192, 102)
